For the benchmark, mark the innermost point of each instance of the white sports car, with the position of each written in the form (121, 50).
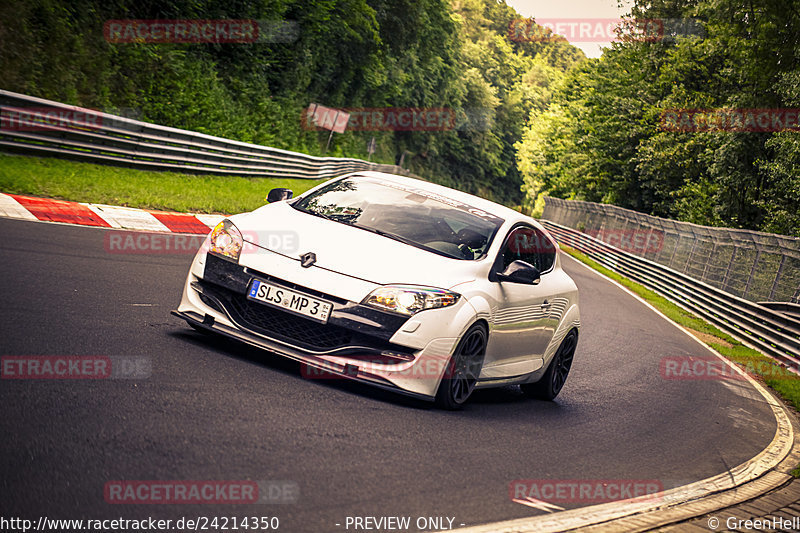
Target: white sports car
(393, 281)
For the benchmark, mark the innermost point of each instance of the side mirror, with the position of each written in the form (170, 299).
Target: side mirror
(520, 272)
(276, 195)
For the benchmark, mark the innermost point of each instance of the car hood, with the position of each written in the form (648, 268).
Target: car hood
(349, 250)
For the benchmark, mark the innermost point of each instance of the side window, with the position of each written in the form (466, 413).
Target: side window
(530, 245)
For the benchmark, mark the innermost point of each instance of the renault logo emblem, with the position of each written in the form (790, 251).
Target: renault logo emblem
(308, 259)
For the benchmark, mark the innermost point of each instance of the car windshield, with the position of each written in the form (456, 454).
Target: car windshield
(411, 215)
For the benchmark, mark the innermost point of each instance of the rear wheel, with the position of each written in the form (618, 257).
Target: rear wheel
(553, 380)
(463, 369)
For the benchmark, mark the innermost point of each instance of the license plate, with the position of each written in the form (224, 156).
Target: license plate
(289, 300)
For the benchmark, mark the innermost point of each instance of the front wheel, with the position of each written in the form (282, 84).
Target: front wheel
(553, 380)
(463, 369)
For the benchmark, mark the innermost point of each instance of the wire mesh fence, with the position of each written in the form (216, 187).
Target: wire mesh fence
(750, 264)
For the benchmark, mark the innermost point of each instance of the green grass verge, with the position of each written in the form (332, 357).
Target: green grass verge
(785, 383)
(103, 184)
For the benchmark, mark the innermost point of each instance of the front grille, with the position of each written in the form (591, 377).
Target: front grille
(276, 323)
(352, 330)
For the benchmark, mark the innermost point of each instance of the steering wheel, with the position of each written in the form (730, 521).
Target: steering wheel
(469, 241)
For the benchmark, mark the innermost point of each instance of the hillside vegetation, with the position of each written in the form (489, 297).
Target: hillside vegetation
(534, 118)
(344, 54)
(601, 137)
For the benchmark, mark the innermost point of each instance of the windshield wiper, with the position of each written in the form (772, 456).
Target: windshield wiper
(386, 234)
(405, 240)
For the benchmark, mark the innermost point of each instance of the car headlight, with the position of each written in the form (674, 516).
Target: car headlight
(226, 241)
(408, 300)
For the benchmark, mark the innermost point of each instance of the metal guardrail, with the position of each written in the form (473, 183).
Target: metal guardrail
(43, 127)
(787, 308)
(771, 332)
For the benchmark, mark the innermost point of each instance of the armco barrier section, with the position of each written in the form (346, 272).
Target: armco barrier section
(753, 265)
(771, 332)
(42, 127)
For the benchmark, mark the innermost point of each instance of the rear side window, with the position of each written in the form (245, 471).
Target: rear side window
(530, 245)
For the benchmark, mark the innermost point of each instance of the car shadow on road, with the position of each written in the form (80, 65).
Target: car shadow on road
(242, 351)
(509, 395)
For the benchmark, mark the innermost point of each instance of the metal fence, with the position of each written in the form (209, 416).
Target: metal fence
(42, 127)
(773, 333)
(752, 265)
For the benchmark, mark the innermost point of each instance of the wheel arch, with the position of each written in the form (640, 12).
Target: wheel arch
(569, 322)
(468, 331)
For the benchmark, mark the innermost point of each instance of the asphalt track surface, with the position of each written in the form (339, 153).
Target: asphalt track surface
(214, 409)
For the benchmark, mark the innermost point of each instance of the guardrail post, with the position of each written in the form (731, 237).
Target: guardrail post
(675, 250)
(728, 270)
(661, 227)
(704, 275)
(691, 253)
(752, 273)
(777, 277)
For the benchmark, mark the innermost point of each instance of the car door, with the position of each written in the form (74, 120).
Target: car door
(521, 324)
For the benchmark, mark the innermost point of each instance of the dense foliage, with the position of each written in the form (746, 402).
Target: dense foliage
(600, 138)
(347, 54)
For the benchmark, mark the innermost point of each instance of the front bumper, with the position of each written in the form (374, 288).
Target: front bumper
(354, 344)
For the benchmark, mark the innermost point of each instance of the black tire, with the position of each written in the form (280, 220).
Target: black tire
(463, 369)
(554, 378)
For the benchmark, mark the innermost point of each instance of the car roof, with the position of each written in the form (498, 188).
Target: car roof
(466, 198)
